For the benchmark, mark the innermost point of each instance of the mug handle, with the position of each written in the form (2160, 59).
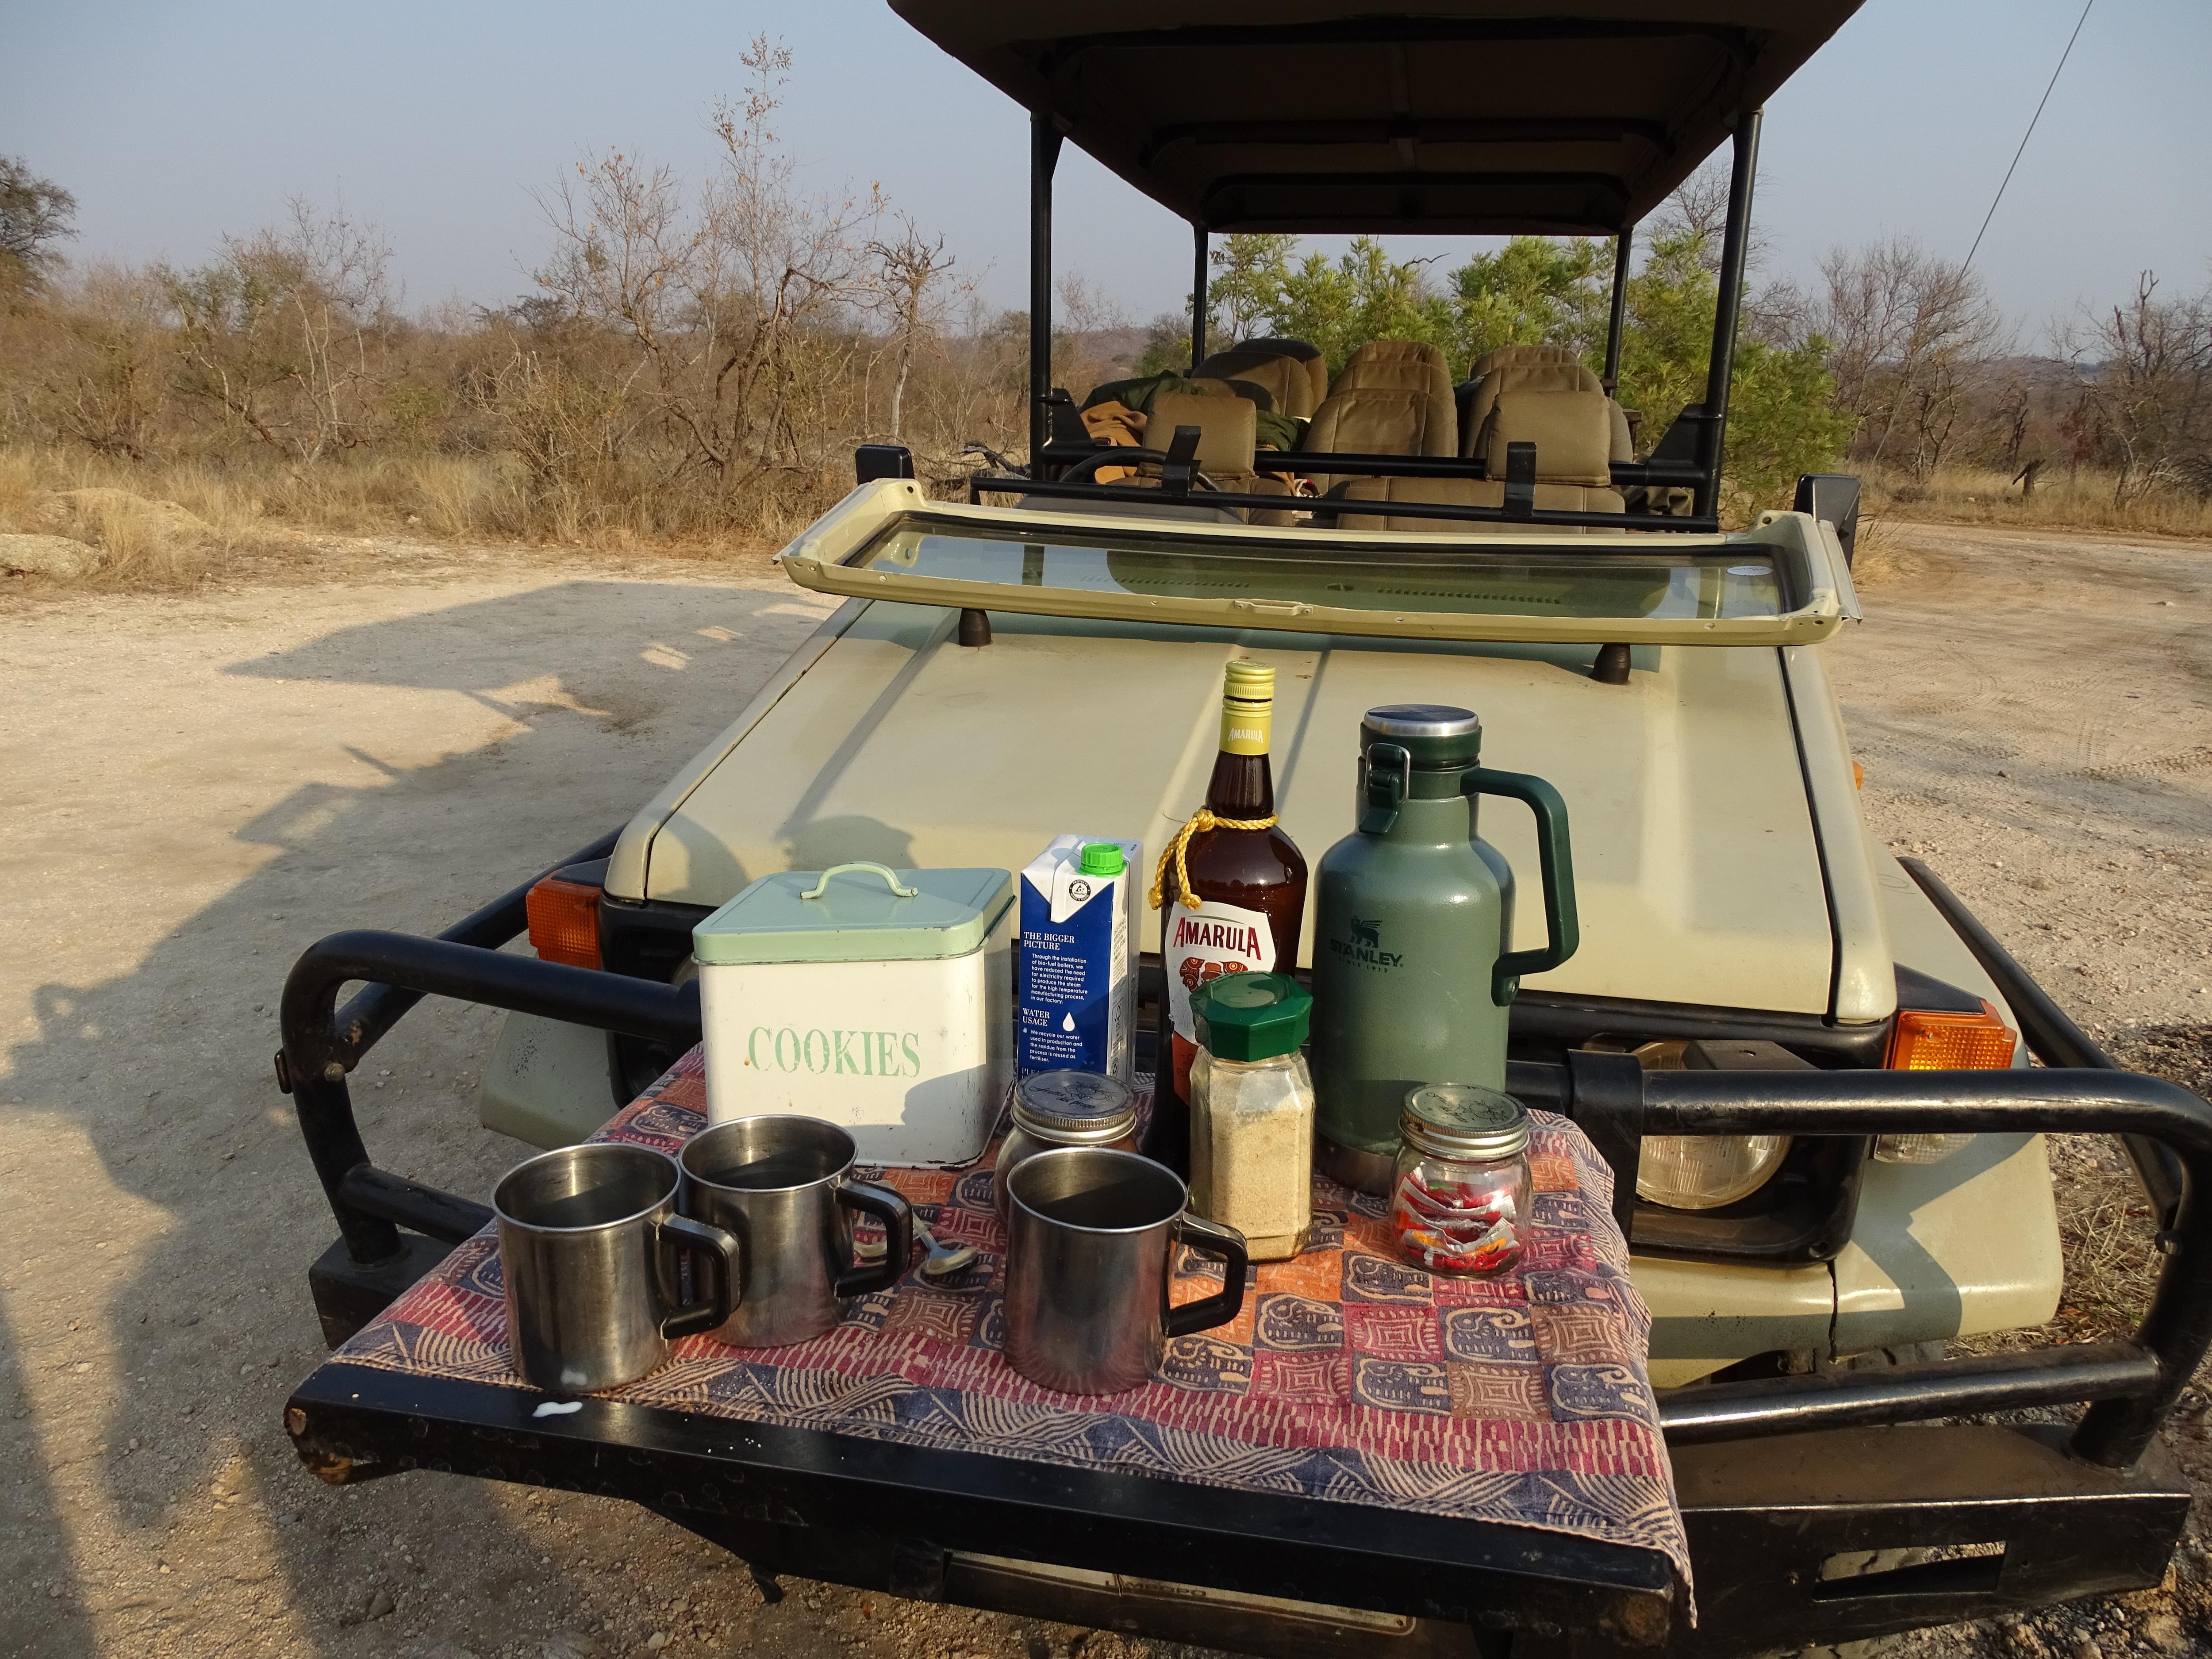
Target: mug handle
(1210, 1238)
(707, 1245)
(898, 1217)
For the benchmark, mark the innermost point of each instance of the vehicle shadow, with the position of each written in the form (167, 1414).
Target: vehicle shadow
(210, 1529)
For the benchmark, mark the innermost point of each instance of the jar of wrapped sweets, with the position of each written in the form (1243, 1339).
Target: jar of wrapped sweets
(1460, 1197)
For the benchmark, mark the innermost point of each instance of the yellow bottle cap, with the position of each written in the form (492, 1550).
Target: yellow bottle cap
(1250, 682)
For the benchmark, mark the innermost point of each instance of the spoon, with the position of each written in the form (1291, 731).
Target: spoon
(942, 1261)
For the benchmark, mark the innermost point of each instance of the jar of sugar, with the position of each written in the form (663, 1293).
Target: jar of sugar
(1252, 1111)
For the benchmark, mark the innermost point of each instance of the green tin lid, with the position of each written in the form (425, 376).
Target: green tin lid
(1251, 1016)
(856, 913)
(1100, 858)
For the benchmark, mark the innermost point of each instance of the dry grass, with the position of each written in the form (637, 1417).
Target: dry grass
(2105, 1231)
(172, 526)
(2083, 500)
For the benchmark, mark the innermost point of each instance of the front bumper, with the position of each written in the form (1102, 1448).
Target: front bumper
(1778, 1476)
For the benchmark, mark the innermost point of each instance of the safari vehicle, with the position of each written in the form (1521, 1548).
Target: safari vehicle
(1809, 1068)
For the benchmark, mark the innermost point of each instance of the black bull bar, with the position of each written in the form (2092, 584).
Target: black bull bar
(393, 1229)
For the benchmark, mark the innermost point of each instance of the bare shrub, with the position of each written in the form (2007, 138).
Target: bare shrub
(2144, 371)
(910, 293)
(1907, 334)
(281, 334)
(738, 313)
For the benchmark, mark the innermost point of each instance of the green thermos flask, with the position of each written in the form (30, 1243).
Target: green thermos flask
(1413, 912)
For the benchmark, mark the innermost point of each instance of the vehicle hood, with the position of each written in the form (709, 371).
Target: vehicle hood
(1698, 870)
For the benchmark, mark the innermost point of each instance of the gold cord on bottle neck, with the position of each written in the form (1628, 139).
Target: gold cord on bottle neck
(1201, 820)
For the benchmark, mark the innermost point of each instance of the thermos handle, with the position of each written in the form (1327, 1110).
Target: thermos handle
(1210, 1238)
(1562, 931)
(1389, 780)
(898, 1217)
(716, 1257)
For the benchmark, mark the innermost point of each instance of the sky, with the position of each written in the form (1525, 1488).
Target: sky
(441, 123)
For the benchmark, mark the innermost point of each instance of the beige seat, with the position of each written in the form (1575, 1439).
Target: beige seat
(1397, 365)
(1498, 356)
(1378, 421)
(1533, 369)
(1293, 372)
(1226, 446)
(1316, 366)
(1394, 398)
(1572, 433)
(1443, 492)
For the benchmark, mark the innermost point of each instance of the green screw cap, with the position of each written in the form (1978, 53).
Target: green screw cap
(1100, 858)
(1251, 1016)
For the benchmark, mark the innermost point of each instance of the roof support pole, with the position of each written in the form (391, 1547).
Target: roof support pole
(1621, 246)
(1044, 155)
(1736, 240)
(1198, 274)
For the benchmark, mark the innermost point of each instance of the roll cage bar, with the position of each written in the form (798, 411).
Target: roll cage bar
(1689, 454)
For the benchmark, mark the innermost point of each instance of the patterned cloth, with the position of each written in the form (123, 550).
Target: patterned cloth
(1348, 1376)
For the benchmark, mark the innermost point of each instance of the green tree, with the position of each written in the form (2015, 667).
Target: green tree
(1245, 288)
(1669, 331)
(1543, 290)
(34, 213)
(1363, 295)
(1783, 419)
(1533, 291)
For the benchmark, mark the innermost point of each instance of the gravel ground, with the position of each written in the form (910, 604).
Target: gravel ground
(204, 784)
(2035, 715)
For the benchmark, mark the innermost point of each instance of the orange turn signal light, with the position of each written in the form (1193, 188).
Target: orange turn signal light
(1926, 1040)
(564, 923)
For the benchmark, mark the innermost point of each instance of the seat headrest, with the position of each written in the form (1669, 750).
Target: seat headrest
(1474, 414)
(1571, 430)
(1288, 386)
(1225, 425)
(1278, 345)
(1498, 356)
(1381, 421)
(1400, 365)
(1308, 356)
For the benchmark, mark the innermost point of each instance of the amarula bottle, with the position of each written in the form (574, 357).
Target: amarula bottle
(1231, 892)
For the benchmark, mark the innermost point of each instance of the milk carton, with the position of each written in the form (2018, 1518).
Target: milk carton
(1079, 926)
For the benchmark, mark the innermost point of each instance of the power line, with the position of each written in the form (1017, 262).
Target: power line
(2025, 137)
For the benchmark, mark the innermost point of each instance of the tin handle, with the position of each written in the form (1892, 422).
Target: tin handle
(889, 876)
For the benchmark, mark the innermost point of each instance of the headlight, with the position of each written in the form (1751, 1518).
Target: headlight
(1917, 1148)
(1703, 1172)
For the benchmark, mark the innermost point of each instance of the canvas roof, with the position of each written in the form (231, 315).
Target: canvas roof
(1475, 117)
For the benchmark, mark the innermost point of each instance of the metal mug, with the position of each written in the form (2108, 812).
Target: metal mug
(590, 1245)
(1090, 1233)
(783, 1185)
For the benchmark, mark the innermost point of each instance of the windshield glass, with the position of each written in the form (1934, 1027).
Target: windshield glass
(1672, 581)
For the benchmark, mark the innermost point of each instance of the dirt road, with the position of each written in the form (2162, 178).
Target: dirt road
(199, 787)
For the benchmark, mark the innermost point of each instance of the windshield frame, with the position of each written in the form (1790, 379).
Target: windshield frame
(833, 557)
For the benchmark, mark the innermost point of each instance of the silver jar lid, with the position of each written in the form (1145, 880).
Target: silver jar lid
(1464, 1119)
(1074, 1105)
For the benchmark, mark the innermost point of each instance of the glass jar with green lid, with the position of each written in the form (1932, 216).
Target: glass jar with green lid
(1252, 1111)
(1459, 1201)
